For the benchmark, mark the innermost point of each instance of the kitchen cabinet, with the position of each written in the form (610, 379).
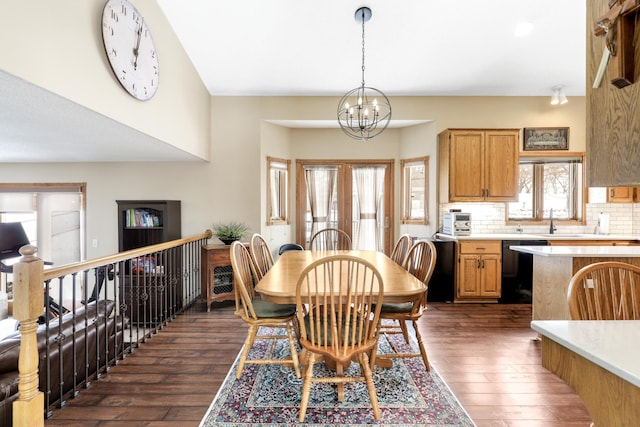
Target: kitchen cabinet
(620, 194)
(479, 165)
(623, 194)
(479, 271)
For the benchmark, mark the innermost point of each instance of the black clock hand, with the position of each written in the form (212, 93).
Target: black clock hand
(136, 49)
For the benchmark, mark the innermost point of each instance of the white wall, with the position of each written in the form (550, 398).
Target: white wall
(58, 46)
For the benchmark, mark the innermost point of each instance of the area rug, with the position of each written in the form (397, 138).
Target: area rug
(269, 395)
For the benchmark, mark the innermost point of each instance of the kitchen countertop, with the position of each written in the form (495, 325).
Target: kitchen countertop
(541, 236)
(580, 251)
(612, 344)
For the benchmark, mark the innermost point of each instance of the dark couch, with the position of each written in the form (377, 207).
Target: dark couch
(90, 327)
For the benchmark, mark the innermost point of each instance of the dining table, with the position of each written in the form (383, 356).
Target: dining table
(279, 284)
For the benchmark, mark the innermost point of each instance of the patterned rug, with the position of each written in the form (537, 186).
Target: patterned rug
(269, 395)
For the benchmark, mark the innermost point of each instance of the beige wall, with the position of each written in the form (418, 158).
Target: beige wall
(57, 45)
(232, 185)
(60, 49)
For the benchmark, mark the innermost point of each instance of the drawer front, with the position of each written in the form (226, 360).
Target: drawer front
(480, 247)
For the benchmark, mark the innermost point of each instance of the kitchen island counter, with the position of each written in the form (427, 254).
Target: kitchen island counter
(542, 236)
(599, 360)
(554, 266)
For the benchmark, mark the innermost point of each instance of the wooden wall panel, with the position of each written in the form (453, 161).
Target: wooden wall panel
(613, 115)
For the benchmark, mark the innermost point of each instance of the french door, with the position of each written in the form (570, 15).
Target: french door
(352, 195)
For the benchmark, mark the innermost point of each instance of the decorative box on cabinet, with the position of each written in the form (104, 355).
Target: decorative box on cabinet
(150, 297)
(217, 274)
(479, 165)
(479, 270)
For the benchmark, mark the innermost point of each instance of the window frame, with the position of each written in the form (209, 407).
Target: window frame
(283, 165)
(405, 191)
(539, 219)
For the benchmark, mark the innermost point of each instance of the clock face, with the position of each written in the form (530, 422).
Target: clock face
(130, 49)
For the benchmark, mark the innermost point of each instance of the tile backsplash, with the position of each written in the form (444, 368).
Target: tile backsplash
(624, 218)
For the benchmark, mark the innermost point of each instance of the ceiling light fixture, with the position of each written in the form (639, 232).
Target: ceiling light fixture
(558, 96)
(364, 112)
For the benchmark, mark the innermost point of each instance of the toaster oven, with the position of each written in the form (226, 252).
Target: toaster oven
(456, 223)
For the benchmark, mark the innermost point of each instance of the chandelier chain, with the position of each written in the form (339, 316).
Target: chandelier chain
(363, 48)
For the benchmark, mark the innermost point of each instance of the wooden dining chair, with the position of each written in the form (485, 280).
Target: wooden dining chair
(608, 290)
(260, 314)
(343, 296)
(260, 255)
(420, 262)
(330, 239)
(401, 248)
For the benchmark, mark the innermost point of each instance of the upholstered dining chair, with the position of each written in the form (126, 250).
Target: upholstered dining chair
(401, 248)
(260, 255)
(342, 296)
(290, 247)
(259, 314)
(330, 239)
(608, 290)
(420, 261)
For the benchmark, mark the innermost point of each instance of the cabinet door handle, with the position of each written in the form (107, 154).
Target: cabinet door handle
(482, 263)
(612, 192)
(478, 263)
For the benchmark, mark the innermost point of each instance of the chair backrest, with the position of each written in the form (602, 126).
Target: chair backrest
(330, 239)
(421, 260)
(243, 272)
(290, 247)
(261, 255)
(605, 291)
(400, 249)
(338, 300)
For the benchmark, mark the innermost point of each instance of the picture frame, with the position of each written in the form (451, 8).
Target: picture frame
(545, 138)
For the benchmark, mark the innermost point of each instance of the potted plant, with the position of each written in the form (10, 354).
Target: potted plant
(229, 232)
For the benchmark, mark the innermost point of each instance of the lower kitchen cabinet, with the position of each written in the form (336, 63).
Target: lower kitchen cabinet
(479, 271)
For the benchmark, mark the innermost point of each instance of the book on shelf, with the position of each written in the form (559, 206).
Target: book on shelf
(141, 218)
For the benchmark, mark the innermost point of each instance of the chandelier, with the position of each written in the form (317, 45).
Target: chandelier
(364, 112)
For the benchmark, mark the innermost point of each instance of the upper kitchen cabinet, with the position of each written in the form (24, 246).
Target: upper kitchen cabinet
(479, 165)
(620, 195)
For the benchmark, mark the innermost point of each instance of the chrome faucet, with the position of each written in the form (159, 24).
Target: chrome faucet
(552, 227)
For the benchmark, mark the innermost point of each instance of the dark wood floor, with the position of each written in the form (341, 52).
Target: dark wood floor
(485, 352)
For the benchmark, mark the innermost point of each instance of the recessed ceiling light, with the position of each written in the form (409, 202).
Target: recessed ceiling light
(522, 29)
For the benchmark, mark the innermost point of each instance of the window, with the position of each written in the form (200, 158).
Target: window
(549, 183)
(278, 191)
(415, 173)
(52, 216)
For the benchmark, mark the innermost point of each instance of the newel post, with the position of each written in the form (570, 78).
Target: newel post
(28, 273)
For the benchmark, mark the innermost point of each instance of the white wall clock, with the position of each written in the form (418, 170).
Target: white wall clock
(130, 49)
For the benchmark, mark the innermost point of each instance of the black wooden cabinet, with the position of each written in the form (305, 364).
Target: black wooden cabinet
(152, 291)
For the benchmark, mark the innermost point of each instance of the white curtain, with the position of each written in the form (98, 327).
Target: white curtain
(368, 211)
(276, 186)
(321, 183)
